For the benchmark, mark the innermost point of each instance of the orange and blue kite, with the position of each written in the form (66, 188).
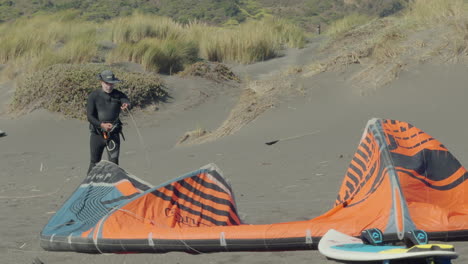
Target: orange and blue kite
(399, 179)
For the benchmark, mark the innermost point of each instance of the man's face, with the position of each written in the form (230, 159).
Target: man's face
(107, 87)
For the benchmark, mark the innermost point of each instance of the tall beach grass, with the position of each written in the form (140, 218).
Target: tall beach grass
(346, 24)
(450, 13)
(250, 42)
(137, 27)
(433, 12)
(159, 44)
(29, 44)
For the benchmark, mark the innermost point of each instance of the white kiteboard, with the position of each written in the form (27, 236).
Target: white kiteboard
(339, 246)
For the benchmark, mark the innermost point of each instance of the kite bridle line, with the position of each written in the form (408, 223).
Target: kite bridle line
(140, 137)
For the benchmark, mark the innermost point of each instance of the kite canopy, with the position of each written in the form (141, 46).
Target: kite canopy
(399, 179)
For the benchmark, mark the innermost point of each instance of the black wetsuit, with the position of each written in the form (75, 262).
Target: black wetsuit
(104, 107)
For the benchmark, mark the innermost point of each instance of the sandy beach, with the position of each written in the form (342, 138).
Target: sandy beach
(44, 156)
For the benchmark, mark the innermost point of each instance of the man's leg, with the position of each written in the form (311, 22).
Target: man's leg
(113, 148)
(96, 146)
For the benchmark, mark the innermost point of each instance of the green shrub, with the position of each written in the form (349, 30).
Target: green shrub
(64, 88)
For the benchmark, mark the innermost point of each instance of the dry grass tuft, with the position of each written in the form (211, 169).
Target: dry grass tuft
(214, 71)
(378, 75)
(338, 62)
(192, 135)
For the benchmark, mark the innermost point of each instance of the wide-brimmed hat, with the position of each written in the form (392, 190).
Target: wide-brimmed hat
(108, 77)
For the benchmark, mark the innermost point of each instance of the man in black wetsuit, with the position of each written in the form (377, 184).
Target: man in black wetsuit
(103, 110)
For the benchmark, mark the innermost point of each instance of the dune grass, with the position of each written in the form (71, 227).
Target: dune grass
(346, 24)
(239, 45)
(433, 12)
(250, 42)
(43, 40)
(387, 45)
(134, 28)
(157, 55)
(159, 39)
(158, 43)
(459, 42)
(447, 18)
(425, 30)
(22, 39)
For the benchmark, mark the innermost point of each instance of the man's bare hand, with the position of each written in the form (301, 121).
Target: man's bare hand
(106, 126)
(124, 106)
